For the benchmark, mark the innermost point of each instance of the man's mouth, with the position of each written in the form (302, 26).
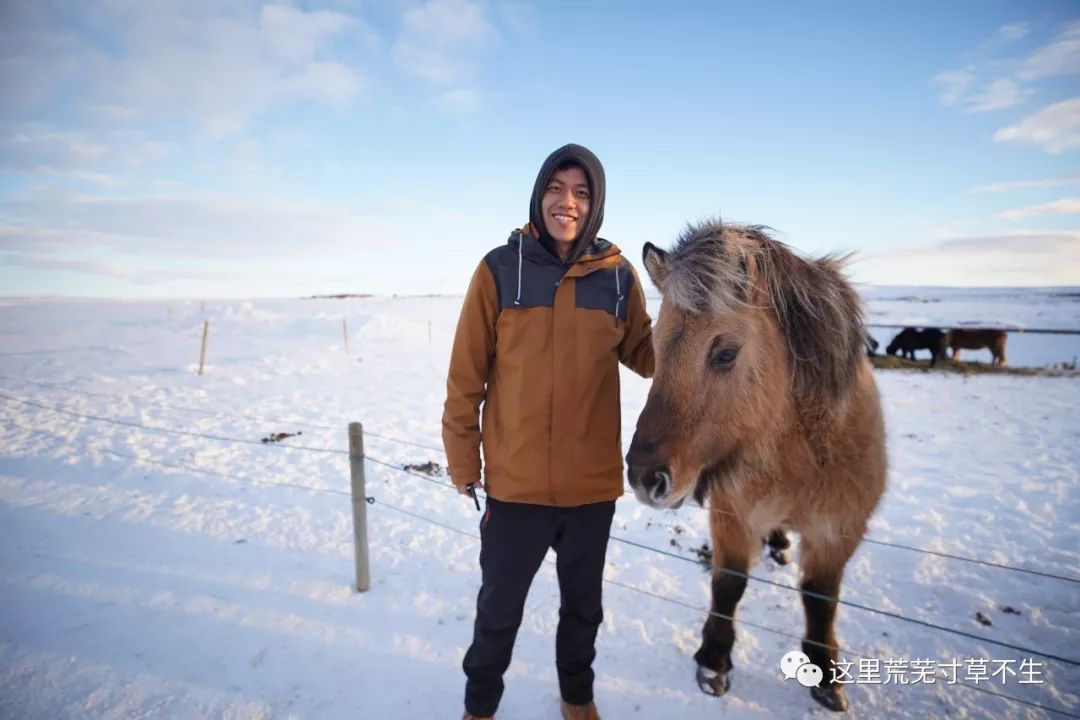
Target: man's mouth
(564, 218)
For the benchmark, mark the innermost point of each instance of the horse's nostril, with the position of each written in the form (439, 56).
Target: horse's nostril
(658, 481)
(663, 482)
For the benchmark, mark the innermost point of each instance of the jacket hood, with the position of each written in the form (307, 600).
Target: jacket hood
(594, 173)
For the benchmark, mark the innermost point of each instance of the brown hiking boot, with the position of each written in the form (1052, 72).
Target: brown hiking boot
(579, 712)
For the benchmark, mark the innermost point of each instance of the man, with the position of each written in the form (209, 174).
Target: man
(547, 319)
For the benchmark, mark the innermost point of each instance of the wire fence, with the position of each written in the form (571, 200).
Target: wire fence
(216, 413)
(657, 596)
(986, 563)
(367, 433)
(609, 581)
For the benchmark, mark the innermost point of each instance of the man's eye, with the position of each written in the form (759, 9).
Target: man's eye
(583, 195)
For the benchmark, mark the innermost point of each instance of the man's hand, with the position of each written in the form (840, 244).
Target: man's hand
(470, 490)
(463, 488)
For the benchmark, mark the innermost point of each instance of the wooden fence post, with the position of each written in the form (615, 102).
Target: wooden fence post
(359, 504)
(202, 352)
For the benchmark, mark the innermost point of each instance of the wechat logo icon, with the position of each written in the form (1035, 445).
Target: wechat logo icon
(798, 666)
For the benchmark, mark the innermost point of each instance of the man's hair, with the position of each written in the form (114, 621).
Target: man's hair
(566, 165)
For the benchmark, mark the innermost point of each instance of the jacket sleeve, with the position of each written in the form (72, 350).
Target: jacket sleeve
(636, 348)
(466, 381)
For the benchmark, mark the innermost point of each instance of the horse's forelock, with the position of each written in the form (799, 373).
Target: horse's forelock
(707, 270)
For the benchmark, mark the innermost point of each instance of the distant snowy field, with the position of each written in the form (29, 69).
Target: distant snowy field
(155, 574)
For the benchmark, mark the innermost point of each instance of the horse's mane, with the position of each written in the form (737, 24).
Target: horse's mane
(714, 267)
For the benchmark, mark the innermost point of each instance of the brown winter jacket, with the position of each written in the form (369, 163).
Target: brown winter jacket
(538, 344)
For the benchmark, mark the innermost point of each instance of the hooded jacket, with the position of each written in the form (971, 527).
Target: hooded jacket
(538, 346)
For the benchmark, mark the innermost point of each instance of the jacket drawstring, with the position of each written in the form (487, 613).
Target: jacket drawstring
(521, 244)
(618, 294)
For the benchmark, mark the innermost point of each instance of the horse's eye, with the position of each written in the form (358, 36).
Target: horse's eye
(723, 358)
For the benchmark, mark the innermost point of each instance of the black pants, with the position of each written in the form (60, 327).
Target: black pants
(514, 539)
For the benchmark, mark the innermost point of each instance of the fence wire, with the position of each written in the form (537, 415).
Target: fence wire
(615, 583)
(369, 433)
(747, 576)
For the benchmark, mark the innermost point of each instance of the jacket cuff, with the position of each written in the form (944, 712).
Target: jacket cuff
(464, 474)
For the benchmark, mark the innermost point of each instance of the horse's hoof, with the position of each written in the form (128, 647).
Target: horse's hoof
(781, 556)
(833, 697)
(712, 682)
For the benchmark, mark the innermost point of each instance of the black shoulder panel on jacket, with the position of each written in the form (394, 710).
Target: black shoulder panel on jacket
(606, 289)
(521, 283)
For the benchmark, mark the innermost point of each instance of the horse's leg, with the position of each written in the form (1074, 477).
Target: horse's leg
(731, 551)
(779, 546)
(823, 564)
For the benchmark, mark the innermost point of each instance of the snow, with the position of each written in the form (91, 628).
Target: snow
(153, 574)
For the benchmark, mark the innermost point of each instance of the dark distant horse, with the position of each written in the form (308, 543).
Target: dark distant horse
(871, 344)
(908, 340)
(762, 407)
(959, 339)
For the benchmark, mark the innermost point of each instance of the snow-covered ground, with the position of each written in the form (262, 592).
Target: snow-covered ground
(155, 574)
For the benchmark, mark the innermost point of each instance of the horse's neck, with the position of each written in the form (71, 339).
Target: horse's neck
(820, 425)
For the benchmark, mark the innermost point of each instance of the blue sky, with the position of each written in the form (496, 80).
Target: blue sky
(202, 148)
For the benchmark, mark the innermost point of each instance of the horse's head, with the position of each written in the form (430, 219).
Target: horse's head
(747, 332)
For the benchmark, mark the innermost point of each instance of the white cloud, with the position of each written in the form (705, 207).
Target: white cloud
(441, 39)
(218, 64)
(954, 85)
(998, 95)
(295, 35)
(460, 101)
(252, 66)
(1065, 206)
(1061, 57)
(132, 272)
(1014, 31)
(331, 82)
(77, 155)
(91, 267)
(181, 226)
(239, 245)
(1022, 258)
(1022, 184)
(1055, 128)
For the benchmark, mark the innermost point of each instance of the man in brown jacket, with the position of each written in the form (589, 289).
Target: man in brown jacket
(546, 320)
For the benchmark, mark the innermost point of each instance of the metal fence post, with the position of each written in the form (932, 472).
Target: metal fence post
(202, 349)
(359, 505)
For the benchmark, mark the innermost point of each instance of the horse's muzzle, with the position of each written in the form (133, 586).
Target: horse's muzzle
(649, 477)
(652, 485)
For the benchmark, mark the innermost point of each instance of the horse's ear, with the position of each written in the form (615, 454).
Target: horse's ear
(655, 261)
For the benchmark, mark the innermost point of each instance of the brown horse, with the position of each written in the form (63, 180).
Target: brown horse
(959, 339)
(763, 403)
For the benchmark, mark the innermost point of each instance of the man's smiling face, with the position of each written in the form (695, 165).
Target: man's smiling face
(565, 204)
